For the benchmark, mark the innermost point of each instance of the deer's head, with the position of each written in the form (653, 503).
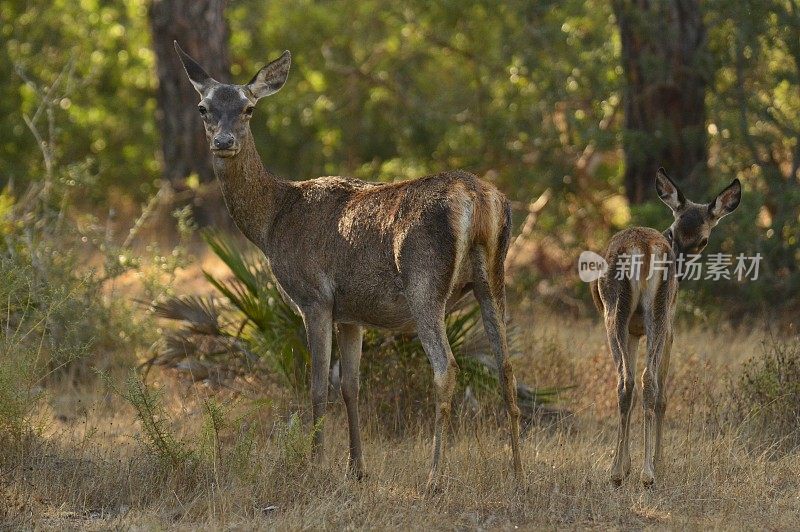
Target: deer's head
(694, 221)
(226, 109)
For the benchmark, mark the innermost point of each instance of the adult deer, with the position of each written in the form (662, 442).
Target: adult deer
(641, 302)
(352, 254)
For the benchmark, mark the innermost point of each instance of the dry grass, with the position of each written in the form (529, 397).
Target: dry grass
(88, 470)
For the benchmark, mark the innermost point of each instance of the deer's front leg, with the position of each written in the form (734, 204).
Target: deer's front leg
(319, 329)
(350, 338)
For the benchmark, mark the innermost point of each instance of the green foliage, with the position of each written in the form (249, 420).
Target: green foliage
(753, 121)
(103, 108)
(386, 91)
(525, 94)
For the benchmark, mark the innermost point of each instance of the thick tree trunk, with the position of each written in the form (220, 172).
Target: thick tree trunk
(200, 28)
(664, 58)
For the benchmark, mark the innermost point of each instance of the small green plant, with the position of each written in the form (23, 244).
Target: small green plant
(157, 435)
(293, 443)
(40, 339)
(224, 442)
(215, 421)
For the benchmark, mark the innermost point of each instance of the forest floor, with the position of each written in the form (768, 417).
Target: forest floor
(87, 468)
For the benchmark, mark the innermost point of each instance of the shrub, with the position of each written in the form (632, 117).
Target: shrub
(58, 316)
(767, 395)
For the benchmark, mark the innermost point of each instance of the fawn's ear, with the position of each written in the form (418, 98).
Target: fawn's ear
(668, 191)
(727, 200)
(200, 79)
(271, 78)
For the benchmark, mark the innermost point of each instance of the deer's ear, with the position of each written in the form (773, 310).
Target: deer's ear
(271, 78)
(201, 81)
(668, 191)
(727, 200)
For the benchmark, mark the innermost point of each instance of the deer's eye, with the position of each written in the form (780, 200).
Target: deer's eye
(248, 111)
(202, 109)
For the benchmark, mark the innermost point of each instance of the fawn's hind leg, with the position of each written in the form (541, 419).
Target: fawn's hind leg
(623, 348)
(618, 300)
(658, 327)
(661, 400)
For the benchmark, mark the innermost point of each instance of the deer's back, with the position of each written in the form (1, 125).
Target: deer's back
(360, 245)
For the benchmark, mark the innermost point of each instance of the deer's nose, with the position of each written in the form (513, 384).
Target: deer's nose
(223, 141)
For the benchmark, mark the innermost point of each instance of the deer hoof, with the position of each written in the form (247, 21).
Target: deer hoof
(434, 485)
(355, 470)
(619, 472)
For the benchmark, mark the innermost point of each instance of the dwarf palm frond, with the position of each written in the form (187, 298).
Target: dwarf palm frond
(200, 313)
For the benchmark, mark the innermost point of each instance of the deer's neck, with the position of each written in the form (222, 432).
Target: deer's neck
(252, 193)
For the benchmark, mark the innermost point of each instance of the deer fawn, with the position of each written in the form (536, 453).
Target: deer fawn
(644, 305)
(351, 254)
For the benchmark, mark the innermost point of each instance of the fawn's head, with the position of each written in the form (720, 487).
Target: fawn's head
(226, 109)
(694, 221)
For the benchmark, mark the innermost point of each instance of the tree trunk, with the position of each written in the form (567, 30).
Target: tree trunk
(200, 28)
(666, 71)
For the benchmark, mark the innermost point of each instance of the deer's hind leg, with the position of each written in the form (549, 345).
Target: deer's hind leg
(661, 401)
(623, 349)
(489, 290)
(428, 264)
(658, 327)
(432, 334)
(429, 313)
